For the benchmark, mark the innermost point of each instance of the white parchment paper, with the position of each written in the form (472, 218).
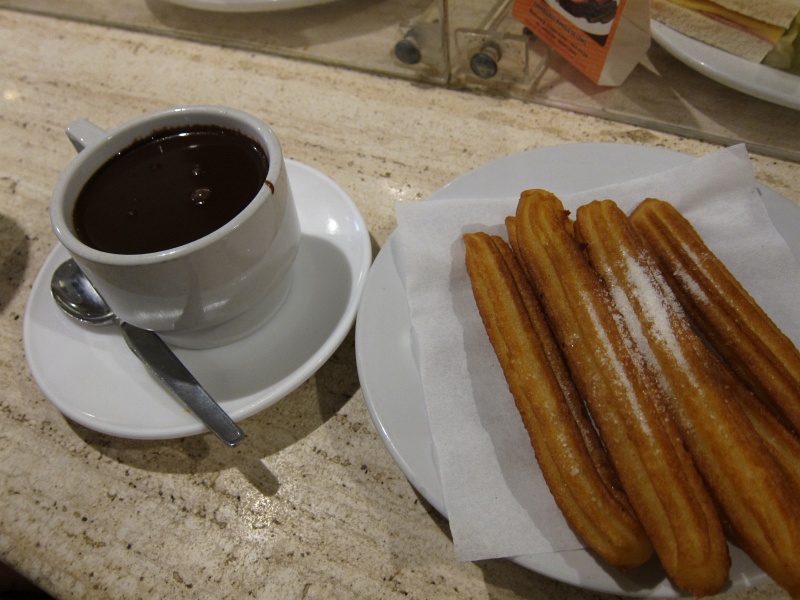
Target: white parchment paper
(497, 502)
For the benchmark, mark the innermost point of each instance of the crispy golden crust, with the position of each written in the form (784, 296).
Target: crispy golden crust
(591, 439)
(657, 473)
(592, 509)
(757, 502)
(747, 457)
(782, 444)
(739, 330)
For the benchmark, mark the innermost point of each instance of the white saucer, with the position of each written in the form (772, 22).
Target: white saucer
(391, 382)
(94, 379)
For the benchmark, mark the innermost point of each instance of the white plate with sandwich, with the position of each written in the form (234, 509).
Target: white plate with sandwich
(728, 46)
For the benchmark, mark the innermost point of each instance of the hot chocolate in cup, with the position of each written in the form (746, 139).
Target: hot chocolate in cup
(183, 220)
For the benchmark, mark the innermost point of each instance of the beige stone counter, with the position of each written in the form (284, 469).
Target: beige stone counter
(312, 505)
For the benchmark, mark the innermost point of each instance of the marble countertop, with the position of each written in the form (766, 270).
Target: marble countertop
(312, 505)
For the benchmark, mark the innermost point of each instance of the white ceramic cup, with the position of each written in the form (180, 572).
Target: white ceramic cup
(206, 293)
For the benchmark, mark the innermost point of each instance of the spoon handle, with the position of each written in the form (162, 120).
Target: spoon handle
(167, 367)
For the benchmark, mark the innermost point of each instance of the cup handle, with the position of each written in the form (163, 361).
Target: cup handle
(83, 133)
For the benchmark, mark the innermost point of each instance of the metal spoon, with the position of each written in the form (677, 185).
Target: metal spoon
(76, 296)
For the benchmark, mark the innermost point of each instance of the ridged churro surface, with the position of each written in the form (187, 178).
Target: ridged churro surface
(656, 471)
(739, 330)
(757, 502)
(593, 505)
(591, 439)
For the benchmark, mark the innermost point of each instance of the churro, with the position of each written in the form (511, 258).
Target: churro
(590, 500)
(656, 471)
(554, 357)
(738, 329)
(757, 502)
(782, 443)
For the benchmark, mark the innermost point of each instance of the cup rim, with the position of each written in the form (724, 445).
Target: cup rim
(123, 136)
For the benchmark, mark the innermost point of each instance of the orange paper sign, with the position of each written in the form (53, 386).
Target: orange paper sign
(604, 39)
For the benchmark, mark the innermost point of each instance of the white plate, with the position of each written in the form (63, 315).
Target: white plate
(759, 81)
(245, 6)
(390, 380)
(94, 379)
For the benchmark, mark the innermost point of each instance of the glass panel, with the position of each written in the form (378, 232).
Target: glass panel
(360, 34)
(466, 44)
(661, 93)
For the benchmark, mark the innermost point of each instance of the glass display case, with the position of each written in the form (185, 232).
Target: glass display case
(473, 45)
(492, 51)
(370, 35)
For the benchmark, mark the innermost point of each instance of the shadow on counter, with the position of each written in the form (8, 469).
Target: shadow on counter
(289, 420)
(14, 586)
(13, 259)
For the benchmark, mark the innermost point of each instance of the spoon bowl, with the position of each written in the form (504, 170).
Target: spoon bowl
(77, 297)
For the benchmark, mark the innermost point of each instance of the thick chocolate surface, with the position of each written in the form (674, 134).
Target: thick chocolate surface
(169, 190)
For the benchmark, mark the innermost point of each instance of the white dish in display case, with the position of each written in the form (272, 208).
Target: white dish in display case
(753, 79)
(245, 6)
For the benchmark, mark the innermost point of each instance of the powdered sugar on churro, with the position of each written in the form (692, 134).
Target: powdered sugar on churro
(604, 351)
(659, 309)
(687, 281)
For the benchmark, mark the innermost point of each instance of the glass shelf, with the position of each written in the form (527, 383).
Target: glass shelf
(358, 34)
(472, 45)
(661, 93)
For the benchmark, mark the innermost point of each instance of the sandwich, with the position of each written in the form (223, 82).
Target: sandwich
(762, 32)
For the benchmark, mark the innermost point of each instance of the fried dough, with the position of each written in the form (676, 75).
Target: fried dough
(757, 502)
(782, 443)
(591, 439)
(738, 329)
(594, 507)
(656, 471)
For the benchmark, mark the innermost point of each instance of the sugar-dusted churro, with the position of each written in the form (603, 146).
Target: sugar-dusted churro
(757, 502)
(591, 439)
(782, 443)
(740, 331)
(597, 510)
(575, 403)
(656, 471)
